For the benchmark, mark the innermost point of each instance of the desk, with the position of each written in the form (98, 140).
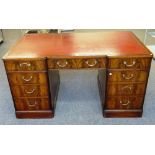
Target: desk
(33, 63)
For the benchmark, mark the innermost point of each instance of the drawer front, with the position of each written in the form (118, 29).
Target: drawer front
(92, 63)
(126, 89)
(30, 91)
(27, 78)
(77, 63)
(25, 65)
(124, 102)
(61, 64)
(127, 76)
(32, 104)
(129, 63)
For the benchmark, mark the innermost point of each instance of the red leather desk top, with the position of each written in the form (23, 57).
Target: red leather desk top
(112, 44)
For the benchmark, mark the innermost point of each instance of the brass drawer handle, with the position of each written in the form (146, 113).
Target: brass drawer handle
(25, 64)
(124, 103)
(29, 92)
(91, 64)
(128, 77)
(129, 65)
(32, 104)
(126, 88)
(62, 65)
(27, 79)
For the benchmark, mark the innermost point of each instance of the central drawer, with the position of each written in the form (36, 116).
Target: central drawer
(76, 63)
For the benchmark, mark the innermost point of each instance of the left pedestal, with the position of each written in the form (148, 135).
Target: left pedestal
(30, 88)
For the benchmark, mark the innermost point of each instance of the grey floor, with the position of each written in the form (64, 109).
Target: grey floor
(78, 100)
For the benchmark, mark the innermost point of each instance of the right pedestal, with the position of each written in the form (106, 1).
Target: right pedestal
(124, 91)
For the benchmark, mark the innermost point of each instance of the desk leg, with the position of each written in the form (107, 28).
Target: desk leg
(54, 82)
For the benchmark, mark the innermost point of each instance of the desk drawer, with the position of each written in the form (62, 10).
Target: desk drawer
(27, 78)
(92, 63)
(30, 91)
(32, 104)
(62, 64)
(127, 76)
(124, 102)
(25, 65)
(76, 63)
(129, 63)
(126, 89)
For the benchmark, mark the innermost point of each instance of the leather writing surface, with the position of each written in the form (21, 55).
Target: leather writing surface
(77, 44)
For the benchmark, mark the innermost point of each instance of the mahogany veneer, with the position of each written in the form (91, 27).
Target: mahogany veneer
(33, 65)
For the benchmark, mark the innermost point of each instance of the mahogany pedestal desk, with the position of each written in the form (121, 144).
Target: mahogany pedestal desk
(33, 63)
